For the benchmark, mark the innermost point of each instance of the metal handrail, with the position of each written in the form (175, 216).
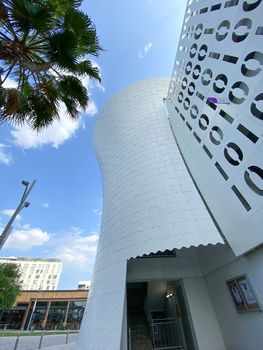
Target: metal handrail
(166, 334)
(164, 320)
(129, 334)
(147, 312)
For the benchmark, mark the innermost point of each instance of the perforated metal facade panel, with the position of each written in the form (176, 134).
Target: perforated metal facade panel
(215, 103)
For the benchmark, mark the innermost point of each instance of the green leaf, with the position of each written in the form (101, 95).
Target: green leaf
(71, 106)
(77, 22)
(29, 15)
(9, 287)
(43, 111)
(61, 6)
(86, 67)
(84, 30)
(62, 49)
(70, 85)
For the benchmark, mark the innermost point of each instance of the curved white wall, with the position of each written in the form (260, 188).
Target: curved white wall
(150, 203)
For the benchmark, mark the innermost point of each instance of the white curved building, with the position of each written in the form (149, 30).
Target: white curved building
(150, 203)
(180, 259)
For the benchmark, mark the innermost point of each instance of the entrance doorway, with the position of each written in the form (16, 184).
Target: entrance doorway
(158, 317)
(176, 308)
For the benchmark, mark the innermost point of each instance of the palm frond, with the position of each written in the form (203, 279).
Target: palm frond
(60, 7)
(70, 85)
(43, 111)
(77, 22)
(3, 13)
(62, 50)
(29, 15)
(12, 101)
(9, 101)
(86, 68)
(71, 106)
(84, 30)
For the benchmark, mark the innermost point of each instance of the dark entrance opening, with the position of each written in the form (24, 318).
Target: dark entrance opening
(139, 332)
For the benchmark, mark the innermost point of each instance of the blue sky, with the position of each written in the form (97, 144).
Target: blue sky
(140, 39)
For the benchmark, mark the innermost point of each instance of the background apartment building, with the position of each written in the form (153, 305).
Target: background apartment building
(36, 273)
(83, 285)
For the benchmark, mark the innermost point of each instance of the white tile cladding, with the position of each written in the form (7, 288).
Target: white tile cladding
(150, 202)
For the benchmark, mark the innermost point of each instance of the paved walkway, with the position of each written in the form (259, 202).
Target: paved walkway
(71, 346)
(49, 342)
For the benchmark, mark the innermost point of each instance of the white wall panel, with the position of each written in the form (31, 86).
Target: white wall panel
(149, 203)
(220, 55)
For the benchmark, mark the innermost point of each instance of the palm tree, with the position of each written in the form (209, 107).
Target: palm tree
(44, 46)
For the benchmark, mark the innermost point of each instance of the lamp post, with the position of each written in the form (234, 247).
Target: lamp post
(23, 204)
(34, 308)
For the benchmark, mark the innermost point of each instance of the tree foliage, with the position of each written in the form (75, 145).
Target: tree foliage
(9, 287)
(45, 47)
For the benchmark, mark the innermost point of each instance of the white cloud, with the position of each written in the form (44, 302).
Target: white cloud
(92, 109)
(10, 83)
(100, 86)
(96, 83)
(27, 238)
(57, 133)
(5, 156)
(76, 249)
(60, 131)
(45, 205)
(142, 53)
(10, 212)
(147, 47)
(96, 212)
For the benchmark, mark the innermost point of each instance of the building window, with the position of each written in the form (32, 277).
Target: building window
(38, 315)
(75, 313)
(56, 315)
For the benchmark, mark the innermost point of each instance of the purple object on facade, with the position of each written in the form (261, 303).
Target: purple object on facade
(212, 99)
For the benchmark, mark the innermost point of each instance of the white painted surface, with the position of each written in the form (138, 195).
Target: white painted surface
(207, 330)
(186, 264)
(149, 203)
(241, 331)
(124, 333)
(241, 20)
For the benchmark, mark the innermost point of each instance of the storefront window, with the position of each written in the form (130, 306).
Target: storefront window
(56, 315)
(75, 314)
(38, 315)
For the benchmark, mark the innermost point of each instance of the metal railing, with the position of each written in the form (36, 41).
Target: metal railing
(13, 326)
(129, 339)
(166, 334)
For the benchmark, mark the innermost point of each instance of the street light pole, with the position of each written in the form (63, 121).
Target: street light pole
(23, 204)
(34, 307)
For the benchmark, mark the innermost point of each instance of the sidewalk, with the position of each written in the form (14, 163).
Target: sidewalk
(71, 346)
(49, 342)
